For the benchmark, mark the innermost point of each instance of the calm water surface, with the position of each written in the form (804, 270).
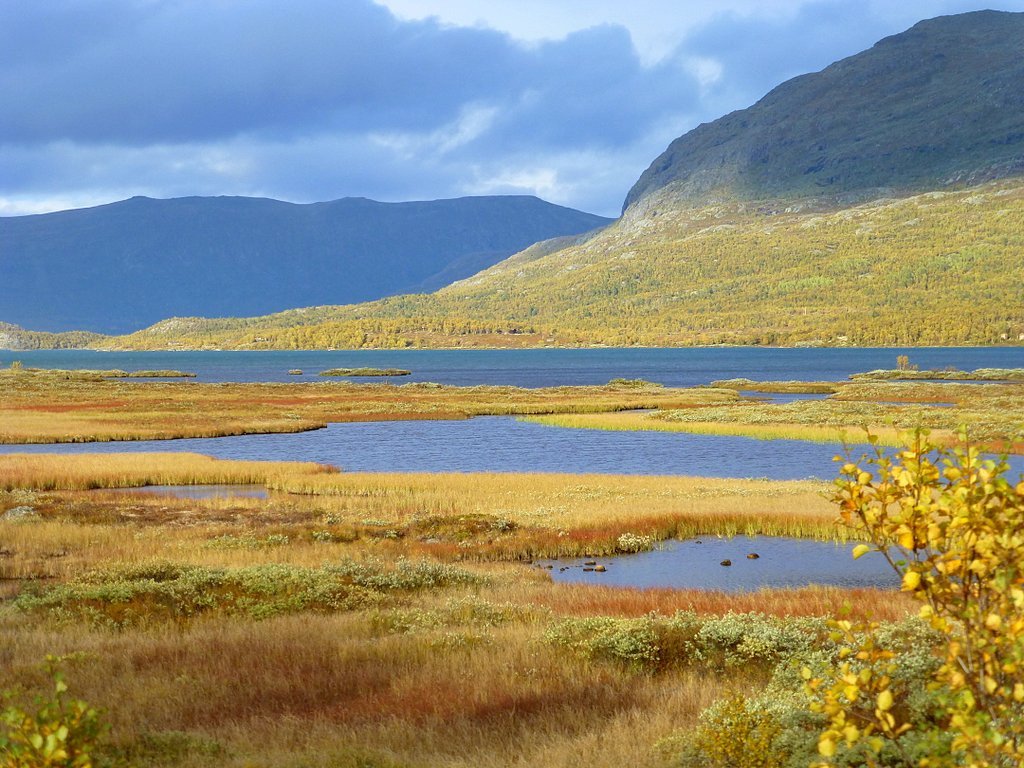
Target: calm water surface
(696, 564)
(536, 367)
(503, 444)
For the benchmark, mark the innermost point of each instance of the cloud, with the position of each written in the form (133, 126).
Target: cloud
(319, 99)
(162, 96)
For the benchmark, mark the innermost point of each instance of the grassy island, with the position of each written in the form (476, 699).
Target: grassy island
(360, 372)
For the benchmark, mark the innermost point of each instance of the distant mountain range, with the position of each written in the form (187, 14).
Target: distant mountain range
(879, 201)
(115, 268)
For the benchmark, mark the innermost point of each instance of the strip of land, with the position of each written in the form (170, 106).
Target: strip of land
(44, 407)
(993, 414)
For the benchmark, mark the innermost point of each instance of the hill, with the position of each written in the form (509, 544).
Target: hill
(939, 104)
(115, 268)
(940, 268)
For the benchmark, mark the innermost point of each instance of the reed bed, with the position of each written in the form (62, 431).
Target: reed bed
(51, 471)
(550, 514)
(643, 422)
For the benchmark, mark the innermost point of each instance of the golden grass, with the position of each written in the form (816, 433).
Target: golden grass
(330, 691)
(315, 513)
(53, 471)
(642, 422)
(455, 676)
(583, 510)
(39, 408)
(992, 413)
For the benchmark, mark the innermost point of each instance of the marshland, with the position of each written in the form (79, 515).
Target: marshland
(376, 618)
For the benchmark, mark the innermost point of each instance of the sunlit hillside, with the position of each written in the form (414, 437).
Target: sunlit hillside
(937, 268)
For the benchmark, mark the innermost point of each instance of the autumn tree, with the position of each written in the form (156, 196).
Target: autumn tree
(952, 525)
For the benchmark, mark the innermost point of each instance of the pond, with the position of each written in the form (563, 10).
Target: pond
(222, 491)
(697, 564)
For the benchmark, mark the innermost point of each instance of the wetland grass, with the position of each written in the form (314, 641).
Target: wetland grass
(642, 422)
(125, 470)
(366, 619)
(42, 408)
(992, 413)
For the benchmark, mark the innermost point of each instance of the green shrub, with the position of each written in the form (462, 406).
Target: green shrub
(61, 732)
(134, 595)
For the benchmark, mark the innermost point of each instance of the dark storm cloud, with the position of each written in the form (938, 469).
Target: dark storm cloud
(137, 73)
(177, 71)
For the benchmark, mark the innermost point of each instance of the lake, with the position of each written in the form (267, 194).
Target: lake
(676, 367)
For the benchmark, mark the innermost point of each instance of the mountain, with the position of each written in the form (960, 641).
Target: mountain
(118, 267)
(939, 104)
(878, 202)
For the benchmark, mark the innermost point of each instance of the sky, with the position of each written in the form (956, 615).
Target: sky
(311, 100)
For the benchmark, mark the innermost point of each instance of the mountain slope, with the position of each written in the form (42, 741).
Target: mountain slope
(117, 267)
(940, 103)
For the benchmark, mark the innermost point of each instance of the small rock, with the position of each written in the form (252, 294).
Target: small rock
(20, 514)
(753, 556)
(726, 562)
